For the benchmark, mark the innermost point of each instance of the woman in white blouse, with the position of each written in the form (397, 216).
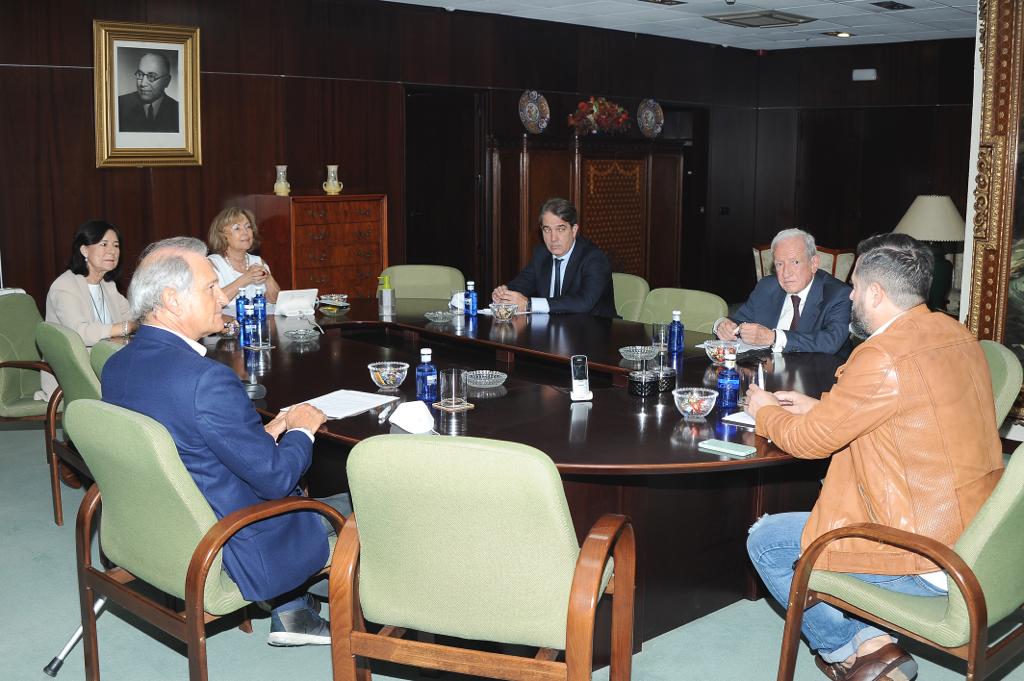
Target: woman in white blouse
(85, 298)
(232, 235)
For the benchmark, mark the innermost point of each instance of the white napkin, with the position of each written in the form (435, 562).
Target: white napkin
(413, 417)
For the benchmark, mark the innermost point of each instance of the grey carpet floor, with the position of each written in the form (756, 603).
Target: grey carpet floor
(740, 642)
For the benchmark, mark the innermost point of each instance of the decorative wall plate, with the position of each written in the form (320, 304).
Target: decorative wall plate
(534, 111)
(650, 118)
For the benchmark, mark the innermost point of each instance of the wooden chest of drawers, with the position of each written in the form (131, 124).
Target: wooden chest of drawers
(337, 244)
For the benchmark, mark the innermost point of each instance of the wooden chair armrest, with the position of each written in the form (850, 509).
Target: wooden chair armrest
(612, 534)
(213, 541)
(937, 552)
(27, 364)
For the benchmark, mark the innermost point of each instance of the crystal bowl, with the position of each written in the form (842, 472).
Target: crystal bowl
(336, 299)
(694, 401)
(440, 316)
(504, 311)
(388, 375)
(302, 334)
(485, 378)
(717, 349)
(332, 309)
(638, 353)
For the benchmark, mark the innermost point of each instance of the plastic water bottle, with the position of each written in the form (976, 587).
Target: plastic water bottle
(471, 298)
(240, 302)
(675, 333)
(426, 377)
(259, 303)
(729, 383)
(250, 327)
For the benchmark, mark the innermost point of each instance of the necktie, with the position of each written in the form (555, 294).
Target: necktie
(149, 112)
(796, 312)
(558, 278)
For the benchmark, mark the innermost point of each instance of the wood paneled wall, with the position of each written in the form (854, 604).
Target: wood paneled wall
(312, 82)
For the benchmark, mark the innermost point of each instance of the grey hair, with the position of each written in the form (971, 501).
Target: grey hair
(161, 266)
(900, 264)
(809, 245)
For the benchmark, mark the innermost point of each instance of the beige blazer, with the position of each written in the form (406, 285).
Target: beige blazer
(69, 304)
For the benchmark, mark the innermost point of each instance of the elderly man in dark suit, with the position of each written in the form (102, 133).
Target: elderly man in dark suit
(235, 460)
(568, 273)
(149, 109)
(801, 309)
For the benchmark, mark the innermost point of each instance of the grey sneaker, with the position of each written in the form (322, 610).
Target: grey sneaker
(300, 627)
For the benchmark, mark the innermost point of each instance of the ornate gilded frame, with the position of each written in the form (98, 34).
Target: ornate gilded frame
(126, 140)
(1001, 32)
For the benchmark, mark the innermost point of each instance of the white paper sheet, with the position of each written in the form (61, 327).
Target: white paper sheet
(740, 418)
(741, 347)
(344, 403)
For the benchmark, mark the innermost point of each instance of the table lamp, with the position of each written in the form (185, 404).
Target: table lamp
(935, 220)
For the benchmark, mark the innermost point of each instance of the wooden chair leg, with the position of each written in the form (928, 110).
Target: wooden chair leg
(622, 606)
(58, 507)
(196, 642)
(791, 634)
(90, 648)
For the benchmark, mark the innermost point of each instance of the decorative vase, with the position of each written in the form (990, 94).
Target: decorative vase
(281, 186)
(332, 186)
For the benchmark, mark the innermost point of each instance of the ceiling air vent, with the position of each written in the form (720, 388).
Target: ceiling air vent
(765, 19)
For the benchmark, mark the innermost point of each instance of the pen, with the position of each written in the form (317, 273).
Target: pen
(386, 411)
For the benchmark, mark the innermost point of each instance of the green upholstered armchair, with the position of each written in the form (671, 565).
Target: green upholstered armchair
(156, 527)
(20, 362)
(472, 538)
(1006, 377)
(425, 281)
(69, 360)
(100, 353)
(630, 293)
(986, 584)
(700, 309)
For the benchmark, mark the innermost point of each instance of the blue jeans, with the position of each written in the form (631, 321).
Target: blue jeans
(774, 547)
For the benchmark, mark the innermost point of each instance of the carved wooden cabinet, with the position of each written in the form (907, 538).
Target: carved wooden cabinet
(337, 244)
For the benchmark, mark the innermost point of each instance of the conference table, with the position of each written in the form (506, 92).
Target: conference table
(617, 453)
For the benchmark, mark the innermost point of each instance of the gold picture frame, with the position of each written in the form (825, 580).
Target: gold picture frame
(996, 309)
(147, 94)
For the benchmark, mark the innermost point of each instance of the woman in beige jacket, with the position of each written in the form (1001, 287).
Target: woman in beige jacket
(85, 298)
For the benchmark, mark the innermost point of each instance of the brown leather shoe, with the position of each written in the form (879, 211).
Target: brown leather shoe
(68, 476)
(888, 663)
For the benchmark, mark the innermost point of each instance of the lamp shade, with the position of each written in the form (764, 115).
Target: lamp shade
(932, 218)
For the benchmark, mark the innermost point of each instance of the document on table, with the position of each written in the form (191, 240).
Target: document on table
(344, 403)
(741, 347)
(740, 418)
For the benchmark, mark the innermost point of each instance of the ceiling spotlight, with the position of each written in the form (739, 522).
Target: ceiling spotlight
(730, 2)
(838, 34)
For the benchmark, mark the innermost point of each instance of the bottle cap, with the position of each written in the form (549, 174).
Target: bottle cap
(385, 281)
(471, 285)
(249, 307)
(425, 354)
(676, 314)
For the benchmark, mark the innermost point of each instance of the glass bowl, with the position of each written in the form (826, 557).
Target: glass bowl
(440, 316)
(485, 378)
(230, 329)
(638, 353)
(504, 311)
(717, 349)
(695, 402)
(388, 375)
(302, 334)
(335, 299)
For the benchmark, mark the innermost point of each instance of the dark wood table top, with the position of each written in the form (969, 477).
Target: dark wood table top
(614, 434)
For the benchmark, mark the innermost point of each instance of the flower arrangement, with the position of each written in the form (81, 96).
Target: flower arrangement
(597, 114)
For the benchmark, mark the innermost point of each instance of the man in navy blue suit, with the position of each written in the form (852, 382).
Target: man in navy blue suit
(801, 309)
(568, 273)
(234, 459)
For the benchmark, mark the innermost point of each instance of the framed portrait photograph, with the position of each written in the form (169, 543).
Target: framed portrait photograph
(147, 94)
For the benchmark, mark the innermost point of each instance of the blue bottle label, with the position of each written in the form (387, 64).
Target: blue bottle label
(471, 303)
(260, 306)
(675, 337)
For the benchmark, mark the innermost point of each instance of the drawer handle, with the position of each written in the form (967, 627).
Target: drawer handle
(363, 212)
(316, 213)
(360, 234)
(364, 254)
(314, 257)
(321, 235)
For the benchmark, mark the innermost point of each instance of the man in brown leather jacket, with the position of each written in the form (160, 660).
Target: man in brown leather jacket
(910, 427)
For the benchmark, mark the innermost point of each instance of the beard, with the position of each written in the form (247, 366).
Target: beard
(858, 327)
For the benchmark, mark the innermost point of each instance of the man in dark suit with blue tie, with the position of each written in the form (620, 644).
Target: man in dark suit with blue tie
(800, 309)
(234, 459)
(568, 273)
